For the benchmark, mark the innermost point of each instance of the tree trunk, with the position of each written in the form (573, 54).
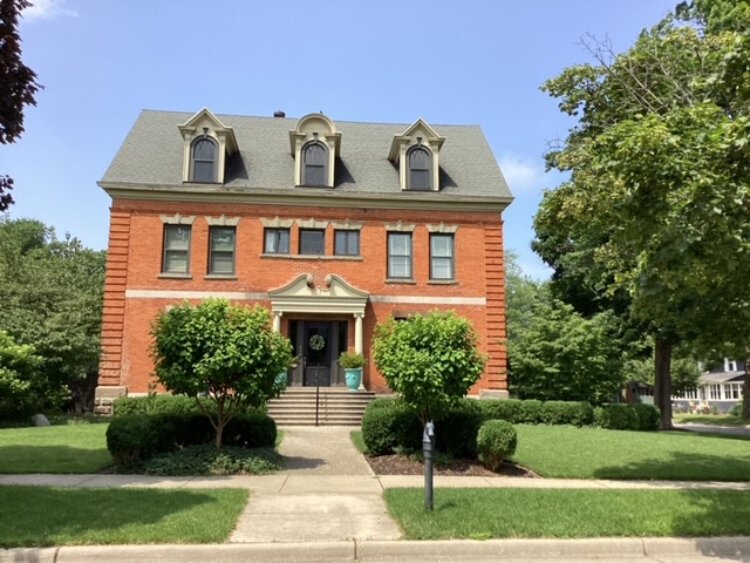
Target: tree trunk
(219, 433)
(746, 392)
(663, 381)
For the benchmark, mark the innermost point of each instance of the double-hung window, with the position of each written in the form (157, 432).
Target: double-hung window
(346, 243)
(312, 241)
(221, 251)
(399, 255)
(277, 241)
(176, 258)
(442, 261)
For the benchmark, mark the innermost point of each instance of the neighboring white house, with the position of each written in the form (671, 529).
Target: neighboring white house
(718, 390)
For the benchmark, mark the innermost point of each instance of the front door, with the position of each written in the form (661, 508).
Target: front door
(317, 347)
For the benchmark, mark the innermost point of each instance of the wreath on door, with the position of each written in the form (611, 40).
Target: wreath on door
(317, 342)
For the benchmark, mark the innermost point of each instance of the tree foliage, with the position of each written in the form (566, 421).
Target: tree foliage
(656, 207)
(225, 356)
(430, 360)
(20, 378)
(51, 295)
(18, 85)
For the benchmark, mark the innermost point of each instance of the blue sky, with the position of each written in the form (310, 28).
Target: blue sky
(479, 62)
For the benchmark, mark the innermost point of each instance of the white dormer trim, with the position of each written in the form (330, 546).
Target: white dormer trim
(311, 128)
(418, 133)
(206, 123)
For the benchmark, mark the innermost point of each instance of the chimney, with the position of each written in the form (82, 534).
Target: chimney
(279, 113)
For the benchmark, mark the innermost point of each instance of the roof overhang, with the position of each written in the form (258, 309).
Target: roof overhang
(335, 296)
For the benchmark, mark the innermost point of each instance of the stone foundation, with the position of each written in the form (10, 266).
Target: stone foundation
(493, 394)
(104, 398)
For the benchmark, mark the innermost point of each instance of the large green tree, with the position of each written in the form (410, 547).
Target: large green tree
(51, 298)
(656, 207)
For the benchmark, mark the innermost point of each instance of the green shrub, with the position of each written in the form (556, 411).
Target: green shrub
(388, 426)
(648, 417)
(207, 460)
(21, 379)
(577, 413)
(456, 431)
(616, 417)
(496, 440)
(131, 439)
(502, 409)
(531, 411)
(134, 438)
(154, 404)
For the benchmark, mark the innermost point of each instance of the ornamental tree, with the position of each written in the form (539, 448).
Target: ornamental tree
(430, 360)
(224, 356)
(21, 378)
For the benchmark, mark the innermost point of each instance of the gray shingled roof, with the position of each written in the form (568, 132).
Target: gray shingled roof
(153, 151)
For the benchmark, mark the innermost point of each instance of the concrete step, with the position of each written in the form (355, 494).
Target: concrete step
(335, 406)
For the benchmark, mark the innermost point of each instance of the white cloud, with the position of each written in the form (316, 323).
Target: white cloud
(522, 173)
(48, 10)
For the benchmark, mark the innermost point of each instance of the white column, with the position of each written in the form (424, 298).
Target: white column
(358, 345)
(277, 321)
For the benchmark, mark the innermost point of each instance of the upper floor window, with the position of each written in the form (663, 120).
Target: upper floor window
(315, 171)
(399, 255)
(176, 249)
(222, 250)
(312, 241)
(442, 263)
(277, 241)
(346, 243)
(420, 168)
(204, 160)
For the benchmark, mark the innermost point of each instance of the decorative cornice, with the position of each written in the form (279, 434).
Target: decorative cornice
(223, 221)
(277, 223)
(442, 228)
(400, 227)
(427, 201)
(177, 219)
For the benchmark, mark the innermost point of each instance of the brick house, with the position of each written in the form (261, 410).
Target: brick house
(334, 227)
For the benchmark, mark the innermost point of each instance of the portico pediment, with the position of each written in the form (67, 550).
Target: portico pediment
(303, 295)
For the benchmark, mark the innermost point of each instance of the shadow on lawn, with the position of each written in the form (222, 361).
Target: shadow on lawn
(52, 459)
(685, 466)
(40, 516)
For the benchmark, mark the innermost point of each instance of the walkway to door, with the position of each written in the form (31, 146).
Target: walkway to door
(341, 503)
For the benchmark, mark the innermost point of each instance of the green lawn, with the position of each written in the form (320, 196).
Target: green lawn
(71, 448)
(594, 453)
(711, 419)
(359, 443)
(42, 516)
(569, 513)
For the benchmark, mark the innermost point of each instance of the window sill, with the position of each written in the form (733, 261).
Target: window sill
(175, 276)
(220, 277)
(312, 257)
(407, 281)
(442, 282)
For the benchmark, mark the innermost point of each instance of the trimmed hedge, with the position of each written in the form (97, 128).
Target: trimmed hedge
(389, 426)
(154, 404)
(134, 438)
(496, 440)
(577, 413)
(503, 409)
(627, 417)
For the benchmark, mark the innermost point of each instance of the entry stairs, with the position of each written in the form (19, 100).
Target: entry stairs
(336, 406)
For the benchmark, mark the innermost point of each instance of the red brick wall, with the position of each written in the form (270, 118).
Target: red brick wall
(135, 262)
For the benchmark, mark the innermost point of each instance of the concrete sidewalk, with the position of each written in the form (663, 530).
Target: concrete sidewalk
(620, 550)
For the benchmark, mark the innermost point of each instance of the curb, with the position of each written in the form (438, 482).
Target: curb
(352, 551)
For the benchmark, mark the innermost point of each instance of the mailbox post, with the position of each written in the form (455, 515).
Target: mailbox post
(428, 449)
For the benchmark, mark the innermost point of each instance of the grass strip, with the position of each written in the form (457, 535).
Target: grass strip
(595, 453)
(71, 448)
(44, 516)
(711, 419)
(569, 513)
(358, 441)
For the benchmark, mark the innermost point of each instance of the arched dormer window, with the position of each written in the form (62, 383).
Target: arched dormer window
(315, 172)
(420, 168)
(203, 166)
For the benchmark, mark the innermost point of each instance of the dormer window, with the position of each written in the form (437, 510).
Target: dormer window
(315, 164)
(416, 153)
(207, 146)
(314, 144)
(420, 168)
(204, 160)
